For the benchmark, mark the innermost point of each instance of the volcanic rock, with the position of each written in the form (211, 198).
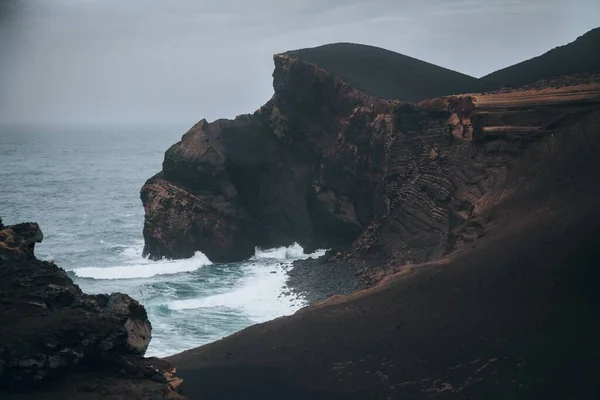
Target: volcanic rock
(50, 329)
(306, 168)
(328, 166)
(507, 305)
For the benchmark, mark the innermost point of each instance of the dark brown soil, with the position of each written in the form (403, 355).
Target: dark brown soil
(508, 314)
(513, 318)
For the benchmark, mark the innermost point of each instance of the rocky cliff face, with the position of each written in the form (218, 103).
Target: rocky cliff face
(307, 167)
(49, 328)
(329, 166)
(508, 184)
(452, 158)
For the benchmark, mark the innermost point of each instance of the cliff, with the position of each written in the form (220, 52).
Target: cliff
(328, 166)
(306, 167)
(453, 158)
(498, 194)
(56, 341)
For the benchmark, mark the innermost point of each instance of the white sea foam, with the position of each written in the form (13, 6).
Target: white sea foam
(259, 295)
(290, 253)
(144, 268)
(254, 294)
(134, 253)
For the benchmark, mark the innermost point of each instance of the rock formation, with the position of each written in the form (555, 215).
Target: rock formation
(50, 328)
(306, 168)
(326, 165)
(452, 158)
(501, 192)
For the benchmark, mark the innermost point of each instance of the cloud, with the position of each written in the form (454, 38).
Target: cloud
(182, 60)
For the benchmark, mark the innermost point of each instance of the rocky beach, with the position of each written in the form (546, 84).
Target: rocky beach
(377, 234)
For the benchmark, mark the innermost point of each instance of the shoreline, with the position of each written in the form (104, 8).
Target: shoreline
(316, 280)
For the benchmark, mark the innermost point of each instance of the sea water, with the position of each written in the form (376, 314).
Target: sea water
(82, 183)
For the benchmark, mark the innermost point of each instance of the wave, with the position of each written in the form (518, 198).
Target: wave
(144, 269)
(293, 252)
(133, 253)
(259, 295)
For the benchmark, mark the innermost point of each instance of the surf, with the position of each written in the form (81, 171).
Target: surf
(147, 269)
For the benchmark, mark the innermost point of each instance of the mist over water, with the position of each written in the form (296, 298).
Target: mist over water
(116, 61)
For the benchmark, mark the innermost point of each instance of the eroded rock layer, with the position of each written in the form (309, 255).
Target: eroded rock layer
(306, 168)
(452, 158)
(510, 312)
(326, 165)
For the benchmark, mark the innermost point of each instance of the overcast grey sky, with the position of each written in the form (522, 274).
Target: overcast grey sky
(163, 61)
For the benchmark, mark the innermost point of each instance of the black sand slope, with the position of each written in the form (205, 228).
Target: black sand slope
(582, 55)
(513, 315)
(387, 74)
(515, 320)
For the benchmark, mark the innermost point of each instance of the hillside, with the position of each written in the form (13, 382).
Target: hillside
(387, 74)
(472, 219)
(582, 55)
(506, 313)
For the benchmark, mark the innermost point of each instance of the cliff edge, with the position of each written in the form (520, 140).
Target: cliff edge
(386, 183)
(484, 261)
(307, 167)
(472, 218)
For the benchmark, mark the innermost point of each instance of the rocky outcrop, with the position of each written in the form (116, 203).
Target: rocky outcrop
(49, 328)
(454, 157)
(510, 313)
(326, 165)
(306, 168)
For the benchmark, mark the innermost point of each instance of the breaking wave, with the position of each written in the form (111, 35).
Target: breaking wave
(259, 295)
(144, 269)
(290, 253)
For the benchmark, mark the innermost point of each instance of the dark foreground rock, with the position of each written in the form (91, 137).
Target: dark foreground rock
(58, 341)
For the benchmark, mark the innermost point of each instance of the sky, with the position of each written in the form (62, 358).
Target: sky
(178, 61)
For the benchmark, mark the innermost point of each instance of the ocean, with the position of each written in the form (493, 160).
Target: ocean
(82, 183)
